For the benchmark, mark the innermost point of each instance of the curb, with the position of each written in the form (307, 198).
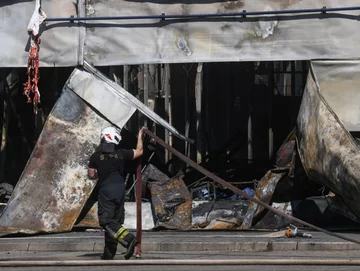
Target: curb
(189, 246)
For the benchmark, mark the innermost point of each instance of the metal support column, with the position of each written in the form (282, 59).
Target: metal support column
(138, 209)
(198, 103)
(4, 128)
(126, 87)
(187, 112)
(293, 92)
(146, 88)
(270, 104)
(250, 138)
(126, 77)
(166, 86)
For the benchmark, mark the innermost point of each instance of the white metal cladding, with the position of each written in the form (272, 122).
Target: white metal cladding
(339, 83)
(117, 42)
(100, 96)
(59, 41)
(110, 99)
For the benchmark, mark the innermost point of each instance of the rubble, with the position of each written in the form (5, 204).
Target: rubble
(264, 192)
(170, 199)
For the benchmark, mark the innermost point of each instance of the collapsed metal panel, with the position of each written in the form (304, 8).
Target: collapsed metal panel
(101, 96)
(54, 185)
(111, 99)
(264, 192)
(219, 214)
(170, 199)
(327, 150)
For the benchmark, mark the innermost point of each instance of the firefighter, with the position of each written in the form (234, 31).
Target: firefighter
(107, 164)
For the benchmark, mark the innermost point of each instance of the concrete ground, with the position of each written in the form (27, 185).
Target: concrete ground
(165, 241)
(161, 260)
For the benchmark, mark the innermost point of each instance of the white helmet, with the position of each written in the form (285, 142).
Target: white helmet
(111, 135)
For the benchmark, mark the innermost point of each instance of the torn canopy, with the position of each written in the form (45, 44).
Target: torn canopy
(119, 42)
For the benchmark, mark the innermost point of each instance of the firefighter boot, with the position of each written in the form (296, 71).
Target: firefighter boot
(107, 254)
(110, 247)
(130, 247)
(127, 240)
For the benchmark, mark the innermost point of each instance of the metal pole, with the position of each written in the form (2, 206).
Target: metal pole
(146, 88)
(126, 77)
(238, 191)
(82, 31)
(166, 86)
(4, 128)
(292, 98)
(270, 104)
(126, 87)
(140, 94)
(138, 209)
(198, 98)
(187, 114)
(250, 149)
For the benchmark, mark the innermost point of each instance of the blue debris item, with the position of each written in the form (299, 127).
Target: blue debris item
(247, 190)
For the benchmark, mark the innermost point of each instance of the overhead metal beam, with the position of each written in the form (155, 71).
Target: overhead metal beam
(243, 14)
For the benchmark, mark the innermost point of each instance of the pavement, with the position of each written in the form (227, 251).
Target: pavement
(177, 241)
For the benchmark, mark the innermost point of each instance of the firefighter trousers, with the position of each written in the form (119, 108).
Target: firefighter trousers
(111, 212)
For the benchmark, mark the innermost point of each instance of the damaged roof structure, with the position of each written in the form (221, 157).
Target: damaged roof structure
(53, 190)
(139, 35)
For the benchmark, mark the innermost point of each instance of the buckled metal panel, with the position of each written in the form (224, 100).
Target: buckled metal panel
(101, 96)
(111, 99)
(328, 151)
(54, 185)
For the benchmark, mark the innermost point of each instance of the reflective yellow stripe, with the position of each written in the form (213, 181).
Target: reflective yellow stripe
(122, 236)
(120, 232)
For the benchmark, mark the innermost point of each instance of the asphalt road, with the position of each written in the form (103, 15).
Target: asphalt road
(191, 268)
(27, 257)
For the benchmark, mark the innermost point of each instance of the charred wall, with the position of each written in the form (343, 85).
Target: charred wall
(252, 105)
